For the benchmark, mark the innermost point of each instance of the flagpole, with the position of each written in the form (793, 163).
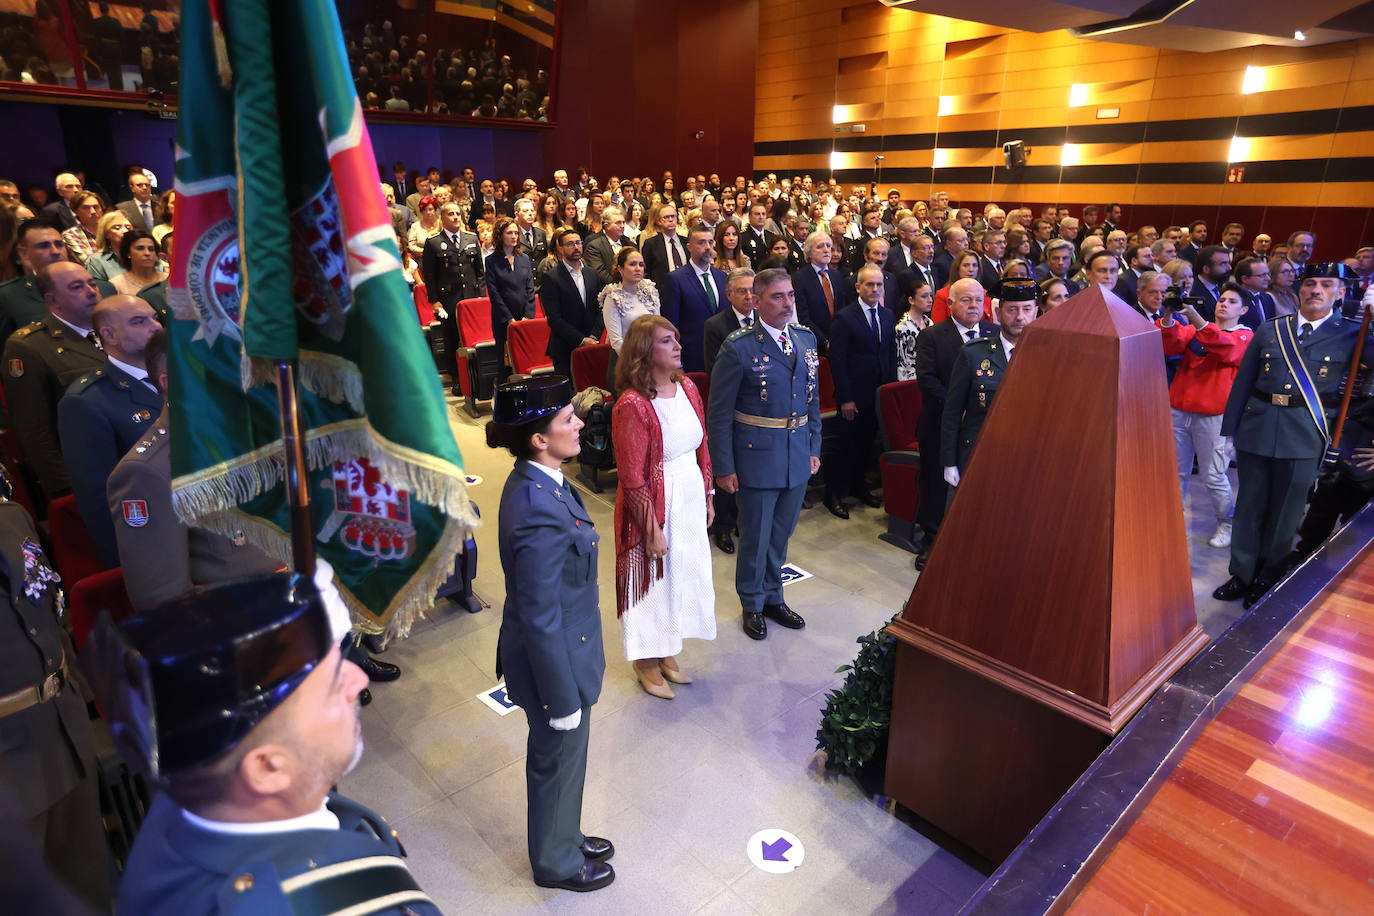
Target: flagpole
(297, 481)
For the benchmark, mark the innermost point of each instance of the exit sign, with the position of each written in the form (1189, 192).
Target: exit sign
(1235, 174)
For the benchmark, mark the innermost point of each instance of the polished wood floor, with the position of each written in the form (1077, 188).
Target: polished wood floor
(1271, 810)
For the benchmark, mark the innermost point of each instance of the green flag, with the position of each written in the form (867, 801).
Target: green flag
(285, 251)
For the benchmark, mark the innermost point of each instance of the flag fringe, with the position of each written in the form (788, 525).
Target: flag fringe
(331, 377)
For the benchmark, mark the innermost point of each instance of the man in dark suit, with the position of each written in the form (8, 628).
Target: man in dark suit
(1042, 231)
(106, 411)
(755, 241)
(602, 248)
(739, 289)
(486, 194)
(1058, 262)
(921, 265)
(956, 240)
(863, 356)
(1197, 238)
(60, 210)
(821, 290)
(901, 255)
(451, 267)
(399, 183)
(1253, 276)
(936, 350)
(1211, 267)
(693, 293)
(534, 239)
(871, 227)
(1139, 258)
(666, 251)
(140, 209)
(569, 297)
(797, 227)
(990, 262)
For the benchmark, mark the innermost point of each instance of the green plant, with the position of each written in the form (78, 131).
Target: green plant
(855, 720)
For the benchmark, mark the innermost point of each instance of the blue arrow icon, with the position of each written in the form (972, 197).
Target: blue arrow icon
(776, 851)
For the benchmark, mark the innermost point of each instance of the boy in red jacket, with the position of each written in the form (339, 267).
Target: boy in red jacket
(1211, 354)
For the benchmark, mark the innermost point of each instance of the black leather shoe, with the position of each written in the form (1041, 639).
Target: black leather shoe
(1232, 589)
(364, 697)
(592, 876)
(921, 557)
(871, 500)
(596, 849)
(836, 508)
(754, 626)
(784, 616)
(373, 643)
(379, 671)
(1258, 590)
(724, 541)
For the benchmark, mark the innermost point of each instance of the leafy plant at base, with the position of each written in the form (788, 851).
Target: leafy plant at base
(854, 723)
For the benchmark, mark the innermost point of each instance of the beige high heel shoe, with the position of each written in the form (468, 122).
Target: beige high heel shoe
(643, 673)
(672, 672)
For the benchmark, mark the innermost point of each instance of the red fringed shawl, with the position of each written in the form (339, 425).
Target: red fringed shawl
(638, 442)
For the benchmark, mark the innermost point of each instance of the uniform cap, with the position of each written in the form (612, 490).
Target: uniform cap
(528, 400)
(1334, 270)
(1017, 289)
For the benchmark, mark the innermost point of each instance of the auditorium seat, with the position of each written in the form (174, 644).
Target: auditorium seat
(103, 591)
(589, 366)
(74, 553)
(826, 382)
(703, 383)
(476, 361)
(527, 342)
(899, 406)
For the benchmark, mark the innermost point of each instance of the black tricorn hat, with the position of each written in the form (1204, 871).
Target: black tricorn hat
(528, 400)
(187, 681)
(1334, 270)
(1017, 289)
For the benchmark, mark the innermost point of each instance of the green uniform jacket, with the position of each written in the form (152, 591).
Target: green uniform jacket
(977, 374)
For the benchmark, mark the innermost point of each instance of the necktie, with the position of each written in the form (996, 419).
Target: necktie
(785, 343)
(747, 322)
(1305, 330)
(529, 240)
(710, 291)
(971, 334)
(677, 258)
(873, 322)
(147, 215)
(829, 291)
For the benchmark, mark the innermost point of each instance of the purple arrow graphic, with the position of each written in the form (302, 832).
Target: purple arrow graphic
(776, 851)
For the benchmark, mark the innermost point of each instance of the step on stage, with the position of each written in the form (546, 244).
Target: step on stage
(1246, 784)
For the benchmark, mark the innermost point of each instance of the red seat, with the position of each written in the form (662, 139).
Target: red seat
(476, 360)
(74, 553)
(538, 307)
(899, 407)
(103, 591)
(589, 366)
(703, 383)
(527, 342)
(826, 382)
(423, 310)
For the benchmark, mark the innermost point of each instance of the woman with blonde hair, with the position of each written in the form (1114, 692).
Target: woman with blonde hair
(1283, 281)
(664, 504)
(165, 210)
(109, 233)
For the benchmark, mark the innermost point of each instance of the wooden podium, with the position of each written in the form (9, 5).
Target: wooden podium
(1058, 595)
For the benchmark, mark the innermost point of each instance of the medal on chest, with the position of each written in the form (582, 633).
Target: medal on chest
(38, 575)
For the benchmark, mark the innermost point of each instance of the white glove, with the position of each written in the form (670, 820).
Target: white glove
(339, 619)
(952, 476)
(440, 312)
(567, 723)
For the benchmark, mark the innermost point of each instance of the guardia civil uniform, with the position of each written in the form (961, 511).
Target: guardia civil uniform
(764, 425)
(972, 385)
(1280, 434)
(21, 303)
(41, 360)
(103, 414)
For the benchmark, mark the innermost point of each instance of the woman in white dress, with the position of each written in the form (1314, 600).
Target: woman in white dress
(628, 296)
(664, 504)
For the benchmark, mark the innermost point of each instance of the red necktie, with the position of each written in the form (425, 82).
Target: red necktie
(829, 292)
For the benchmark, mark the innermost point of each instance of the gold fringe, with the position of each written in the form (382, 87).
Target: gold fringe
(226, 75)
(331, 377)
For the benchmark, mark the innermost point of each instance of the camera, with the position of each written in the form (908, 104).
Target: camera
(1174, 300)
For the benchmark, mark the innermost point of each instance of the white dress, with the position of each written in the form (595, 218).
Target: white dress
(682, 604)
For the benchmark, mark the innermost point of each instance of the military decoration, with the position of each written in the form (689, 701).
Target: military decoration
(142, 416)
(16, 368)
(370, 516)
(135, 512)
(987, 364)
(38, 575)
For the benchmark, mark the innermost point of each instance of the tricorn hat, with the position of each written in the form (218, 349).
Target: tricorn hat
(528, 400)
(1017, 289)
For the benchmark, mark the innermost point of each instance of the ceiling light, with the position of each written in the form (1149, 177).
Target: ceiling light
(836, 160)
(1299, 36)
(946, 105)
(1240, 149)
(1069, 154)
(1253, 81)
(1078, 95)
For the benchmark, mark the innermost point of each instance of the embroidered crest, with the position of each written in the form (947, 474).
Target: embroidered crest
(135, 511)
(142, 416)
(212, 284)
(323, 294)
(16, 368)
(370, 515)
(38, 575)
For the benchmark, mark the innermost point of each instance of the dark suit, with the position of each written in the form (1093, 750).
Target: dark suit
(940, 265)
(754, 245)
(537, 244)
(571, 317)
(1126, 286)
(915, 272)
(1208, 307)
(1260, 308)
(1042, 273)
(686, 305)
(859, 364)
(503, 208)
(990, 276)
(812, 309)
(130, 208)
(937, 348)
(59, 212)
(796, 256)
(511, 290)
(1189, 252)
(451, 273)
(551, 653)
(599, 254)
(657, 262)
(103, 415)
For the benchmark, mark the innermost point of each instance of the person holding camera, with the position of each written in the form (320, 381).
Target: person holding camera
(1211, 352)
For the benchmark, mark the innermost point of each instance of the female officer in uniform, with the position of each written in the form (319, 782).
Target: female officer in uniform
(550, 644)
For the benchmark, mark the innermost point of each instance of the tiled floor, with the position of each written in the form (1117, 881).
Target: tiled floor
(679, 786)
